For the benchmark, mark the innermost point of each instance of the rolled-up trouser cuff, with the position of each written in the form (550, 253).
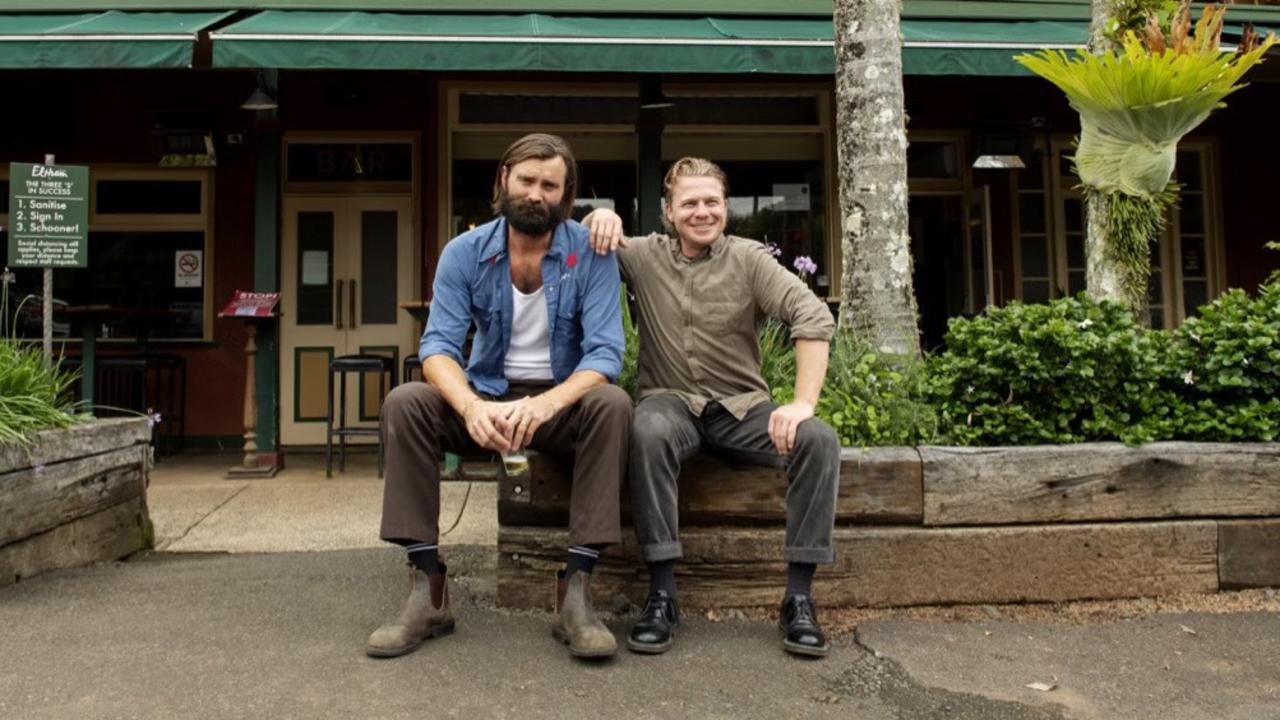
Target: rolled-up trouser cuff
(657, 552)
(817, 556)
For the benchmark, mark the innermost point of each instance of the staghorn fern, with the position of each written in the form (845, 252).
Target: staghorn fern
(1136, 104)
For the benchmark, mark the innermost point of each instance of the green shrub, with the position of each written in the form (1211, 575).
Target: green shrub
(1225, 367)
(870, 398)
(1072, 370)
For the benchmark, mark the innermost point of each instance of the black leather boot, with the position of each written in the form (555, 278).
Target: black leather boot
(653, 631)
(801, 633)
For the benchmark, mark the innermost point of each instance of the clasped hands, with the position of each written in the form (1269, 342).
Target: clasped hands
(506, 426)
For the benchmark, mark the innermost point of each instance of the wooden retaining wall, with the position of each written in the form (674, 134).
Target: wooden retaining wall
(940, 525)
(77, 497)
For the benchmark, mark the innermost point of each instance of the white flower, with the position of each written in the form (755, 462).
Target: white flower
(1084, 324)
(1189, 378)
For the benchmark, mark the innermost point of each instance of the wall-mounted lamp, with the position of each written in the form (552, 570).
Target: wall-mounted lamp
(259, 99)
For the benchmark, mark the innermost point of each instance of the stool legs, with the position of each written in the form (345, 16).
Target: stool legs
(328, 433)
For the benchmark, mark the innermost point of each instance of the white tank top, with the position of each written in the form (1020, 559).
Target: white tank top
(529, 354)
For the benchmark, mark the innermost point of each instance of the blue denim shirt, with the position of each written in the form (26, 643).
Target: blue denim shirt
(473, 284)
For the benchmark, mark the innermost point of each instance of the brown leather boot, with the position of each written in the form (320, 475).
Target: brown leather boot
(576, 623)
(426, 614)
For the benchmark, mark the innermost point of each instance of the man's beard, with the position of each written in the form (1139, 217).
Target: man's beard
(530, 218)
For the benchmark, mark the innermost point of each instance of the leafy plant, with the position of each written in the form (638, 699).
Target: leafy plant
(1069, 371)
(1225, 364)
(34, 395)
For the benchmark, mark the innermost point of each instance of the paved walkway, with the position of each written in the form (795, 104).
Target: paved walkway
(260, 601)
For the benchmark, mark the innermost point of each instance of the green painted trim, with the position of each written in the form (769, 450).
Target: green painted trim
(266, 273)
(297, 354)
(213, 442)
(395, 369)
(643, 7)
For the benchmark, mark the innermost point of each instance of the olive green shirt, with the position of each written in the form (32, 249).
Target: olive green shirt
(699, 318)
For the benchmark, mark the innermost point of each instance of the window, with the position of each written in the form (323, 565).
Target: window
(1051, 225)
(149, 256)
(772, 142)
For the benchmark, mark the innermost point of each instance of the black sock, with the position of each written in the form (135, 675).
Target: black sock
(425, 557)
(800, 578)
(582, 558)
(662, 576)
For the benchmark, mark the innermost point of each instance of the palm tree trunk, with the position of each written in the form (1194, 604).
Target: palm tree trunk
(876, 294)
(1102, 276)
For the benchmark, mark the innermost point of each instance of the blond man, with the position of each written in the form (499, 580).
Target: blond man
(701, 296)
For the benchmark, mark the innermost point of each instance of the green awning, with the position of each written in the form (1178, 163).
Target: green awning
(101, 40)
(796, 46)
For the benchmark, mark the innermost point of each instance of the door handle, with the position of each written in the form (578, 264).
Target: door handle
(353, 304)
(337, 317)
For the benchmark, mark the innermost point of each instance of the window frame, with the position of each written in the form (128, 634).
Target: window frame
(146, 222)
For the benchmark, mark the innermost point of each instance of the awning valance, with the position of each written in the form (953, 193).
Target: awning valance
(797, 46)
(101, 39)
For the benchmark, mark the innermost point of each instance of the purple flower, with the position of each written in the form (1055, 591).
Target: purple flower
(805, 265)
(39, 468)
(153, 419)
(773, 249)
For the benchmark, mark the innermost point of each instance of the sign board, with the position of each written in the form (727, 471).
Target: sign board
(48, 216)
(795, 196)
(251, 305)
(188, 268)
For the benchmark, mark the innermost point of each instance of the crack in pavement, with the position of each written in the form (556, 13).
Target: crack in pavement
(874, 675)
(204, 517)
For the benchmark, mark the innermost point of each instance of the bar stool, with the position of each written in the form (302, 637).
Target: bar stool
(412, 368)
(341, 366)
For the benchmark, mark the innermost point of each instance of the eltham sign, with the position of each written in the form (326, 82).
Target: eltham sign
(48, 216)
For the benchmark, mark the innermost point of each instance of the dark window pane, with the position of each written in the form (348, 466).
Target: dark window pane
(788, 110)
(148, 197)
(932, 160)
(547, 109)
(1193, 260)
(1034, 291)
(1031, 213)
(1073, 209)
(1194, 294)
(781, 202)
(1155, 288)
(378, 264)
(315, 268)
(1075, 251)
(1035, 259)
(1191, 215)
(350, 162)
(1157, 318)
(133, 273)
(1032, 178)
(1075, 281)
(1188, 171)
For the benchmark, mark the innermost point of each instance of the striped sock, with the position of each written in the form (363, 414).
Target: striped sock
(425, 557)
(582, 557)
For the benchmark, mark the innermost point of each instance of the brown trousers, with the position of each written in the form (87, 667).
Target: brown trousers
(420, 427)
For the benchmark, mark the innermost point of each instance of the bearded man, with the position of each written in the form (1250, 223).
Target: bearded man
(548, 342)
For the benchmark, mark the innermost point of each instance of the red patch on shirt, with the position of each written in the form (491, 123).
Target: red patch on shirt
(493, 260)
(571, 260)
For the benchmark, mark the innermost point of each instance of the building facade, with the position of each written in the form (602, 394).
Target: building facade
(389, 120)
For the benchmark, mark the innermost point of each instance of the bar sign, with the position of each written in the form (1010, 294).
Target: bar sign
(48, 216)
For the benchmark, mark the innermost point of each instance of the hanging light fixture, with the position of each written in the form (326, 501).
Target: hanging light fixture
(259, 99)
